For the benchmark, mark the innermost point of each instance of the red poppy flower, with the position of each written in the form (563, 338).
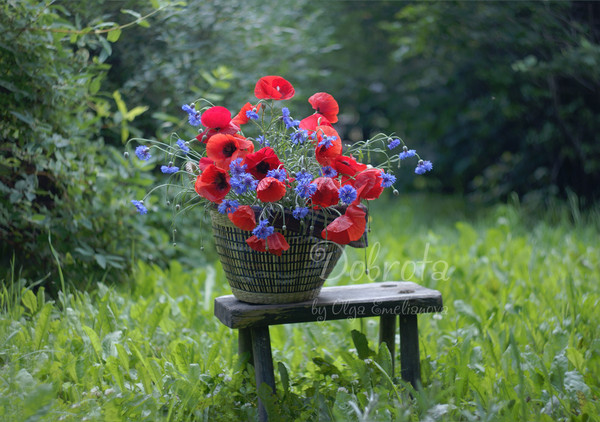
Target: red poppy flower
(243, 218)
(270, 189)
(223, 149)
(327, 193)
(216, 120)
(274, 244)
(241, 118)
(367, 184)
(347, 166)
(311, 122)
(213, 184)
(326, 154)
(326, 105)
(260, 162)
(273, 88)
(346, 228)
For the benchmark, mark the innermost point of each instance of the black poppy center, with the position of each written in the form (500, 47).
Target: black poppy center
(229, 149)
(221, 182)
(263, 167)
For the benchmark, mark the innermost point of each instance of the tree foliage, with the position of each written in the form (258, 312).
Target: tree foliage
(507, 92)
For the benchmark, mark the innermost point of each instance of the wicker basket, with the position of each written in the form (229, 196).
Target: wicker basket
(259, 277)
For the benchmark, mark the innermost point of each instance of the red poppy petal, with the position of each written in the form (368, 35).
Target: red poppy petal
(243, 218)
(260, 162)
(257, 244)
(241, 118)
(213, 184)
(346, 228)
(368, 185)
(216, 117)
(347, 166)
(327, 193)
(326, 105)
(204, 163)
(274, 88)
(325, 156)
(276, 244)
(223, 149)
(270, 189)
(311, 122)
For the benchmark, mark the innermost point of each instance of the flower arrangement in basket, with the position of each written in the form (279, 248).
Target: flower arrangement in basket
(284, 202)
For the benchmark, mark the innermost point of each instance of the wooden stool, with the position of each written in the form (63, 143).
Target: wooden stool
(384, 300)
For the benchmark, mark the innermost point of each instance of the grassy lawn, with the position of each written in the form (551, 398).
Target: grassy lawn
(519, 337)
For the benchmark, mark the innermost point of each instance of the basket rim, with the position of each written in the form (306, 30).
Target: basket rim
(320, 219)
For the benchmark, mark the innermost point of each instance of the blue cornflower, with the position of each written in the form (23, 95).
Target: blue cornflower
(393, 143)
(236, 168)
(278, 174)
(183, 146)
(347, 194)
(251, 114)
(407, 153)
(285, 112)
(228, 206)
(193, 115)
(291, 123)
(143, 153)
(306, 190)
(169, 169)
(263, 230)
(423, 167)
(261, 140)
(140, 206)
(299, 137)
(243, 182)
(299, 213)
(303, 177)
(387, 179)
(327, 141)
(328, 171)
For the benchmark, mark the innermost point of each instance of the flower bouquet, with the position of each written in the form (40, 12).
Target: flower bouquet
(283, 201)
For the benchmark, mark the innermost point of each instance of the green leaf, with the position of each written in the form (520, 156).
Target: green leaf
(284, 375)
(158, 313)
(133, 13)
(95, 340)
(362, 344)
(113, 35)
(134, 112)
(120, 103)
(101, 260)
(112, 365)
(30, 301)
(576, 358)
(95, 84)
(384, 359)
(41, 326)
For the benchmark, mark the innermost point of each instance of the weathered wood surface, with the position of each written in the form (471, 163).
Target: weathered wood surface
(410, 362)
(339, 302)
(263, 363)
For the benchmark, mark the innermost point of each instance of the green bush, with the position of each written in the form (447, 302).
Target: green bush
(507, 92)
(59, 179)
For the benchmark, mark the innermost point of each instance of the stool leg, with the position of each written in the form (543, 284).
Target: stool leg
(263, 363)
(387, 335)
(410, 365)
(245, 344)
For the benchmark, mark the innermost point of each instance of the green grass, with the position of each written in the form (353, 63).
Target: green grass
(519, 338)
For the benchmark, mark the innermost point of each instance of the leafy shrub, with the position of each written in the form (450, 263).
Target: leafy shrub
(58, 178)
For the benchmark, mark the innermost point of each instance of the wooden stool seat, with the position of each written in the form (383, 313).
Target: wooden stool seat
(386, 300)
